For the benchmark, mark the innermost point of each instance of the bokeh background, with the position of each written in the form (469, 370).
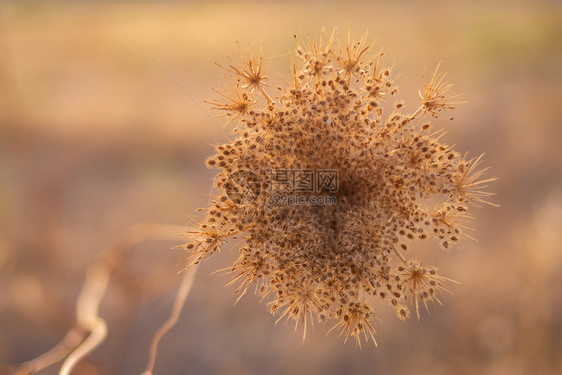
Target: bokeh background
(94, 138)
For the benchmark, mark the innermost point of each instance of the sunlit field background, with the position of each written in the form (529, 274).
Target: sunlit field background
(94, 138)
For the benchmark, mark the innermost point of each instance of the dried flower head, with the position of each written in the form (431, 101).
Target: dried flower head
(328, 194)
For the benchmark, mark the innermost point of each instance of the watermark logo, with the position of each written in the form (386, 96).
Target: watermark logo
(243, 187)
(284, 186)
(303, 180)
(296, 200)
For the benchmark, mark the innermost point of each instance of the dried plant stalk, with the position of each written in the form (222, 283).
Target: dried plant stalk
(90, 329)
(181, 295)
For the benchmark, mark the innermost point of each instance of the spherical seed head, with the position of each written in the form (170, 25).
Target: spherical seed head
(338, 191)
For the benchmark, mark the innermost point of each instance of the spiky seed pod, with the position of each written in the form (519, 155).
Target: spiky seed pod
(330, 251)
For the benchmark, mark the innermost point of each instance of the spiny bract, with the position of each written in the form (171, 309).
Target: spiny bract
(329, 251)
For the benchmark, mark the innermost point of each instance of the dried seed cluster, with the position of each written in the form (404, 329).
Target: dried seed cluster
(332, 261)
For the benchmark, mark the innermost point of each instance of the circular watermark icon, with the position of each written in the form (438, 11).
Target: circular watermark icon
(243, 187)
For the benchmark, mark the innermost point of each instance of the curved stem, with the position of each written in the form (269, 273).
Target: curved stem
(181, 295)
(90, 329)
(97, 335)
(70, 341)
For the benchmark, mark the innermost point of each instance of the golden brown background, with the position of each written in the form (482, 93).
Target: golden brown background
(95, 138)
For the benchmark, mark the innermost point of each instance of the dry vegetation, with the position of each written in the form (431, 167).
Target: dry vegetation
(330, 260)
(94, 139)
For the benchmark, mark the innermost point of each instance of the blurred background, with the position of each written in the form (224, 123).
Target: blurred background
(94, 138)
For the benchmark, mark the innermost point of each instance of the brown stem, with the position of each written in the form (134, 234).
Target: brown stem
(181, 295)
(90, 329)
(415, 114)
